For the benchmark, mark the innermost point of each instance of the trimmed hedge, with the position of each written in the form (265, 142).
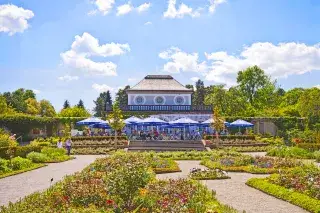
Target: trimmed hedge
(296, 198)
(309, 146)
(231, 137)
(21, 151)
(11, 173)
(98, 138)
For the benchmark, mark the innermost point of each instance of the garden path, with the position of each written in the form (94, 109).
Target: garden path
(235, 193)
(15, 187)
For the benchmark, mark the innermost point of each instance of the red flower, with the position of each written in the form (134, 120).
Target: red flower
(109, 202)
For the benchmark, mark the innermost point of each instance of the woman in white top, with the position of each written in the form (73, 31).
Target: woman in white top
(59, 144)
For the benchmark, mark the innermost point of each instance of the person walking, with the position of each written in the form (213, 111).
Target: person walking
(68, 145)
(59, 143)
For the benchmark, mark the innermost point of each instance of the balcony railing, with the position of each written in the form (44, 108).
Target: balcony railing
(165, 108)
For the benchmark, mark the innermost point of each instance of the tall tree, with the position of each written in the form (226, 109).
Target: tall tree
(66, 104)
(33, 107)
(309, 103)
(122, 96)
(80, 104)
(3, 105)
(46, 109)
(218, 121)
(115, 119)
(74, 112)
(251, 80)
(101, 104)
(199, 95)
(17, 99)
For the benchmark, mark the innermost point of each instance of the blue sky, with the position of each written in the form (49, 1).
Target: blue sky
(118, 45)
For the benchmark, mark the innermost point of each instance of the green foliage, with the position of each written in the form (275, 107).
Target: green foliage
(101, 103)
(98, 138)
(37, 157)
(66, 104)
(211, 174)
(115, 118)
(309, 146)
(296, 198)
(290, 152)
(199, 94)
(74, 112)
(33, 107)
(122, 96)
(46, 109)
(4, 166)
(17, 99)
(80, 105)
(309, 103)
(218, 123)
(231, 137)
(5, 141)
(19, 163)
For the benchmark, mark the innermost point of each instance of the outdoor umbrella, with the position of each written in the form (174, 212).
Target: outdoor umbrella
(89, 121)
(102, 125)
(210, 121)
(185, 122)
(241, 123)
(133, 120)
(152, 121)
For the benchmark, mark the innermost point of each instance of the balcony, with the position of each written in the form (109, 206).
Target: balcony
(165, 108)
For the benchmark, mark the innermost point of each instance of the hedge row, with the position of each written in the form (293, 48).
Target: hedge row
(309, 146)
(231, 137)
(296, 198)
(21, 151)
(98, 138)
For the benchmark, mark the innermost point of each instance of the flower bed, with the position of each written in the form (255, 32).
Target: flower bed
(17, 165)
(211, 174)
(92, 150)
(299, 186)
(123, 182)
(49, 155)
(249, 148)
(290, 152)
(160, 165)
(254, 165)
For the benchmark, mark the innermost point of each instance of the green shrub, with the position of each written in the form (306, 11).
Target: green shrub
(53, 152)
(98, 138)
(6, 142)
(309, 146)
(290, 152)
(4, 165)
(317, 156)
(37, 157)
(296, 198)
(19, 163)
(231, 137)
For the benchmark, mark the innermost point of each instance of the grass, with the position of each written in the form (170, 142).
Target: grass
(11, 173)
(299, 199)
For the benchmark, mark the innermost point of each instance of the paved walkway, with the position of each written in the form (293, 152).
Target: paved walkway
(235, 193)
(21, 185)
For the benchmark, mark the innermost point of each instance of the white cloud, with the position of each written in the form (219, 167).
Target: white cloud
(127, 8)
(173, 12)
(214, 4)
(68, 78)
(36, 91)
(102, 88)
(194, 79)
(124, 9)
(143, 7)
(180, 61)
(103, 6)
(278, 61)
(14, 19)
(317, 86)
(148, 23)
(86, 46)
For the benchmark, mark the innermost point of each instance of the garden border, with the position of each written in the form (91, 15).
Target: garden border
(37, 166)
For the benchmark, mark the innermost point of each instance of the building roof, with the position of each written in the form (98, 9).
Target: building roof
(159, 83)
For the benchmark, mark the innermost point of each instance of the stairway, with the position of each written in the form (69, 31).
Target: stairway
(162, 146)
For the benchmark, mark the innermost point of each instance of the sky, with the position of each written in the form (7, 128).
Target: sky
(76, 49)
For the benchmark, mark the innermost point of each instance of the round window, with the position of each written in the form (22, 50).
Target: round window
(179, 100)
(139, 100)
(159, 100)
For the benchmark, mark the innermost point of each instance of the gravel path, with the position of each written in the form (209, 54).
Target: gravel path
(21, 185)
(235, 193)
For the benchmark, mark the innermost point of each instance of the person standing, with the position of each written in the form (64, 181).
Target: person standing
(68, 145)
(59, 144)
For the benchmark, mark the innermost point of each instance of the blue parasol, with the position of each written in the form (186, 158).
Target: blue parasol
(241, 123)
(132, 120)
(102, 125)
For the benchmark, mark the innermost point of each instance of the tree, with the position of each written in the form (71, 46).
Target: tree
(101, 103)
(74, 112)
(309, 103)
(115, 119)
(122, 96)
(66, 104)
(46, 109)
(3, 105)
(17, 99)
(80, 104)
(199, 95)
(251, 80)
(33, 107)
(218, 121)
